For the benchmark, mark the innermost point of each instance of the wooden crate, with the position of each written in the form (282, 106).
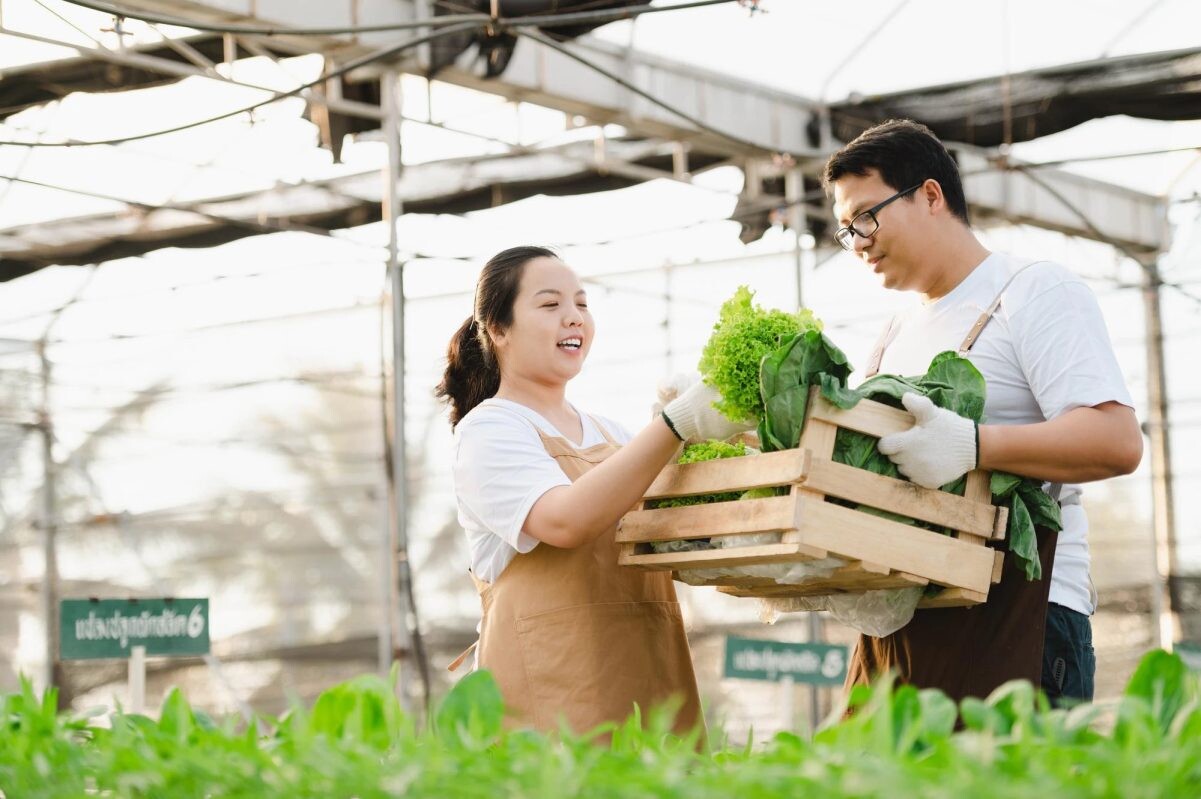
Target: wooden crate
(880, 553)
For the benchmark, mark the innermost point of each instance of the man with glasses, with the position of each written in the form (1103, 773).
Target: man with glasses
(1057, 409)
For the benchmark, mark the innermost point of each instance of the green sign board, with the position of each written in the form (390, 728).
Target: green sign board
(107, 628)
(755, 659)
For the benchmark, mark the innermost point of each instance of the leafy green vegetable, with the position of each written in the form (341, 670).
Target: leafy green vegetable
(786, 374)
(743, 334)
(951, 382)
(706, 451)
(356, 741)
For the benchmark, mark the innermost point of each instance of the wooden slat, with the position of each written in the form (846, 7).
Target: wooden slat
(749, 438)
(746, 516)
(976, 489)
(860, 536)
(1001, 530)
(953, 598)
(899, 496)
(873, 418)
(846, 580)
(746, 582)
(819, 436)
(716, 558)
(729, 474)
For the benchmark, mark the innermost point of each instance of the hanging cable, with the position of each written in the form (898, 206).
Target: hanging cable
(1111, 156)
(533, 20)
(666, 106)
(266, 30)
(259, 226)
(1096, 232)
(358, 63)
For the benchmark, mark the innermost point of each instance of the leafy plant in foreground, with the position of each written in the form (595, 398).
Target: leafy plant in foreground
(357, 742)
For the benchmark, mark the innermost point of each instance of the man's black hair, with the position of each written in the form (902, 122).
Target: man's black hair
(903, 152)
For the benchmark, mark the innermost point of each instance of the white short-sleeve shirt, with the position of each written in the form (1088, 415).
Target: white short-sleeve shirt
(1045, 352)
(501, 469)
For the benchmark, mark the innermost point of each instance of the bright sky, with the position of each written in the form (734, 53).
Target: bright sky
(180, 318)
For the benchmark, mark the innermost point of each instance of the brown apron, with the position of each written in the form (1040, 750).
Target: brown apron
(572, 636)
(972, 650)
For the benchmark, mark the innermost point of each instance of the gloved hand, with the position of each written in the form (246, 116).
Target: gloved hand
(939, 448)
(672, 387)
(694, 418)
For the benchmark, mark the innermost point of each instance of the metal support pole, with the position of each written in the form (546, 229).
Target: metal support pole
(669, 364)
(793, 190)
(408, 632)
(1157, 429)
(49, 524)
(787, 702)
(395, 539)
(137, 679)
(422, 9)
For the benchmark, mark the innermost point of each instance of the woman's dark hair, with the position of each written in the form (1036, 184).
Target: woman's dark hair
(904, 152)
(472, 374)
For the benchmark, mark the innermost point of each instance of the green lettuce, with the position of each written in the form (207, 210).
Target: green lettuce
(743, 334)
(706, 451)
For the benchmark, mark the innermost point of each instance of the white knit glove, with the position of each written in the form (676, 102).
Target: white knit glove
(693, 417)
(670, 388)
(939, 448)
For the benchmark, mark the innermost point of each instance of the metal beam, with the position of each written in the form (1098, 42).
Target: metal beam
(1084, 206)
(777, 120)
(452, 187)
(159, 66)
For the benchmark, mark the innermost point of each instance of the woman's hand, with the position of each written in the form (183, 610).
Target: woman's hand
(692, 417)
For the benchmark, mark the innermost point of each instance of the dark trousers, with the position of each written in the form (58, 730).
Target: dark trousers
(1069, 662)
(968, 651)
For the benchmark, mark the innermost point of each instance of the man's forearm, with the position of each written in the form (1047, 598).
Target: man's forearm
(1082, 445)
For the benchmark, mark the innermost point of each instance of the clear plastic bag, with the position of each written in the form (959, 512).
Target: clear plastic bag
(783, 573)
(874, 613)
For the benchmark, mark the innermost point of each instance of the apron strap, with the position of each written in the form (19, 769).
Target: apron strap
(1054, 489)
(873, 364)
(480, 587)
(986, 317)
(454, 664)
(604, 433)
(890, 332)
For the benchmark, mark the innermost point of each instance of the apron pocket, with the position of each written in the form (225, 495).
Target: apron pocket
(589, 664)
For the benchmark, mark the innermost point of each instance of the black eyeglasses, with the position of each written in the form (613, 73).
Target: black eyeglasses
(865, 224)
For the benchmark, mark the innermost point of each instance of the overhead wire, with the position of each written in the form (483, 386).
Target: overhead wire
(219, 325)
(475, 18)
(696, 122)
(117, 10)
(259, 225)
(1095, 231)
(355, 64)
(692, 120)
(1080, 159)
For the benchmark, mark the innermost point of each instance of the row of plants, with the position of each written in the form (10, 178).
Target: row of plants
(355, 741)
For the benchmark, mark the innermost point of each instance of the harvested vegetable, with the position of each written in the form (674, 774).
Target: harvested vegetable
(743, 335)
(706, 451)
(951, 382)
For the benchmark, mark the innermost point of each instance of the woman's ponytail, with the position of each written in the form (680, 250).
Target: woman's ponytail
(472, 371)
(472, 374)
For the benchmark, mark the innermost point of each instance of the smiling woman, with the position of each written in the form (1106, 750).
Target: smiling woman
(540, 485)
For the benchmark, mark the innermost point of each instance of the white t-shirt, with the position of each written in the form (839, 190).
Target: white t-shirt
(501, 469)
(1045, 352)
